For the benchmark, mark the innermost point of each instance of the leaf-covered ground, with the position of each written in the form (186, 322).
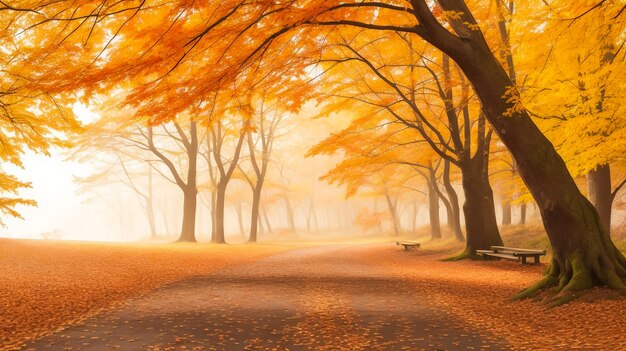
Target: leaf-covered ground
(477, 294)
(316, 298)
(47, 285)
(339, 297)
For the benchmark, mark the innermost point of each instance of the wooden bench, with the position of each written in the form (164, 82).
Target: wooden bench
(511, 253)
(408, 244)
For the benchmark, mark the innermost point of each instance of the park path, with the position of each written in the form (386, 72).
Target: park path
(321, 298)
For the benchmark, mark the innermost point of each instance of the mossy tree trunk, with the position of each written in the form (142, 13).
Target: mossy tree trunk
(479, 209)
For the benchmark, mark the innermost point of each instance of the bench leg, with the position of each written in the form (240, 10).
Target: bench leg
(523, 259)
(537, 260)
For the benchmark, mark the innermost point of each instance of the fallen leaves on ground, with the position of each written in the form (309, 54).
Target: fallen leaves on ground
(478, 294)
(46, 285)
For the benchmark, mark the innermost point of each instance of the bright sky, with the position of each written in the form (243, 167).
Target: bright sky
(60, 206)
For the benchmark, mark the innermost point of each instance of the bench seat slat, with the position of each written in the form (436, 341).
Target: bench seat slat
(511, 257)
(515, 249)
(528, 254)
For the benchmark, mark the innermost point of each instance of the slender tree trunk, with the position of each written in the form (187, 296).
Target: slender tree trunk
(314, 215)
(261, 226)
(267, 220)
(188, 231)
(583, 253)
(309, 215)
(446, 204)
(150, 206)
(454, 202)
(433, 208)
(600, 194)
(291, 223)
(219, 236)
(522, 217)
(166, 218)
(254, 218)
(151, 218)
(239, 209)
(317, 224)
(380, 223)
(213, 215)
(338, 219)
(506, 211)
(414, 217)
(190, 189)
(394, 215)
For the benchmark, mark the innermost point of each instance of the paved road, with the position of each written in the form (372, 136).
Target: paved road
(323, 298)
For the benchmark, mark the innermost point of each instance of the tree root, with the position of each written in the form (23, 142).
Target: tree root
(547, 281)
(565, 280)
(465, 255)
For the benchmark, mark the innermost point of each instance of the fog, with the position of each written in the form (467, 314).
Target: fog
(71, 208)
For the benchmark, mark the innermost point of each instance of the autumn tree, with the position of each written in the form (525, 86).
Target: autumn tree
(117, 162)
(169, 149)
(381, 155)
(260, 140)
(581, 80)
(403, 83)
(221, 132)
(31, 119)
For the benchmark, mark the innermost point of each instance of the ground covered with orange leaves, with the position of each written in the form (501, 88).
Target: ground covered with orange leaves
(478, 294)
(339, 296)
(46, 285)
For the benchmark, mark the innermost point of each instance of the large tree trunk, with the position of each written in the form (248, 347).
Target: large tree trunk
(433, 208)
(479, 210)
(600, 194)
(254, 218)
(481, 225)
(583, 253)
(454, 202)
(506, 211)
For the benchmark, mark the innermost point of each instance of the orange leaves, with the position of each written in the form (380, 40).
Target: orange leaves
(8, 183)
(43, 288)
(368, 220)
